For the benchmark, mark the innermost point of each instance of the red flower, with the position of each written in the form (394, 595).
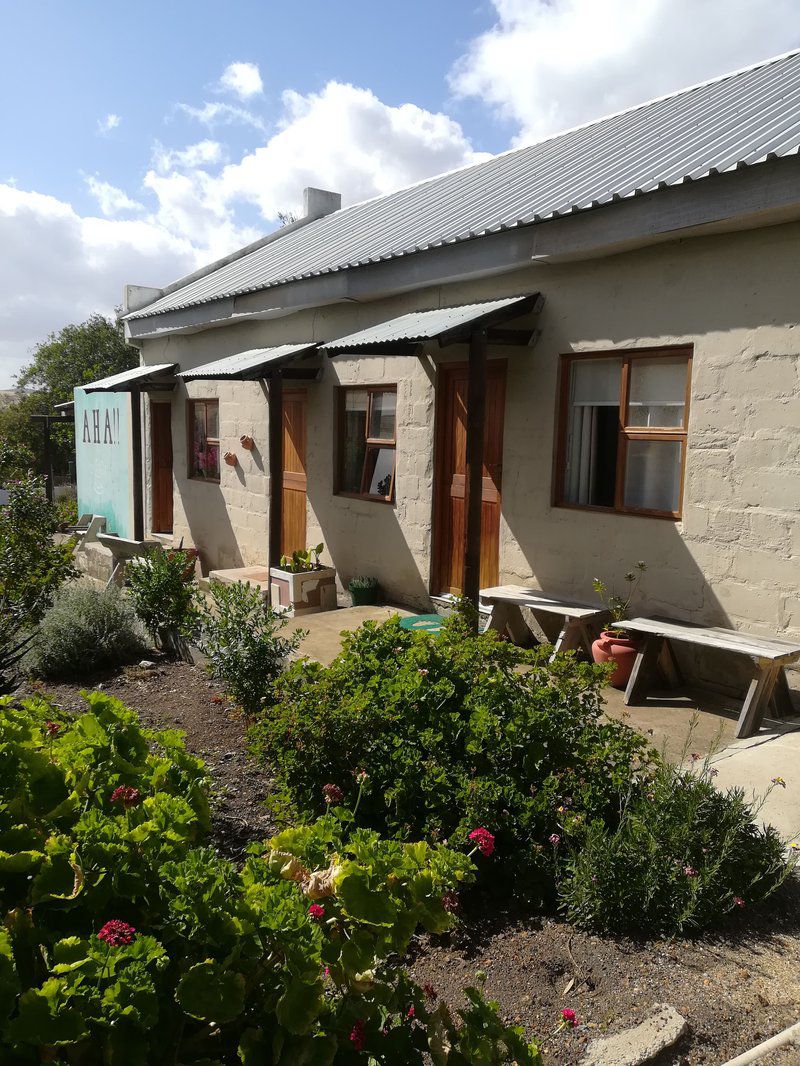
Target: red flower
(484, 841)
(332, 794)
(357, 1035)
(126, 796)
(451, 902)
(738, 901)
(569, 1017)
(117, 934)
(316, 912)
(410, 1012)
(52, 728)
(430, 991)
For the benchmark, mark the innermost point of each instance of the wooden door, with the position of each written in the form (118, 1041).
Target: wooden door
(293, 513)
(161, 452)
(450, 511)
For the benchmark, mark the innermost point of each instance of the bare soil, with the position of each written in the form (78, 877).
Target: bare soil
(734, 988)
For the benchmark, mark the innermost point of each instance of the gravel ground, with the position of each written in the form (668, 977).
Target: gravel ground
(734, 989)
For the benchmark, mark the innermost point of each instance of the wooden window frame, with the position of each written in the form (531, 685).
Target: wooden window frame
(627, 433)
(190, 406)
(371, 443)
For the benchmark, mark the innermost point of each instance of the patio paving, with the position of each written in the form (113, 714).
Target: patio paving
(676, 725)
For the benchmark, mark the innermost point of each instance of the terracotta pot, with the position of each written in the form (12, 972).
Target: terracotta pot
(610, 647)
(247, 442)
(230, 458)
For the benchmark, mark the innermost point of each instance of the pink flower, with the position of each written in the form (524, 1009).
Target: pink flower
(52, 728)
(316, 912)
(484, 841)
(410, 1012)
(738, 901)
(117, 934)
(357, 1034)
(361, 777)
(713, 773)
(126, 796)
(332, 794)
(554, 839)
(696, 757)
(690, 871)
(569, 1017)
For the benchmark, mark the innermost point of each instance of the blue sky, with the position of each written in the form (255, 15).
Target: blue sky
(139, 141)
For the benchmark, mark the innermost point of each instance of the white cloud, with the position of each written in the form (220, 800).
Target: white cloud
(202, 154)
(345, 139)
(216, 114)
(242, 79)
(58, 267)
(551, 64)
(107, 124)
(111, 200)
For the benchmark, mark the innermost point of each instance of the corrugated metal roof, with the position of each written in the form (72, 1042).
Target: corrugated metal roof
(138, 376)
(422, 325)
(738, 120)
(246, 365)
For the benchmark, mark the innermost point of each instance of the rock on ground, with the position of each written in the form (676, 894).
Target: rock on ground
(640, 1044)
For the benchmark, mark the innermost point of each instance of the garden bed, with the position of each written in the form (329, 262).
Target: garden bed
(734, 988)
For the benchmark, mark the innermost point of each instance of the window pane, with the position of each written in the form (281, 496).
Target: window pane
(593, 432)
(381, 421)
(354, 446)
(199, 423)
(212, 419)
(382, 464)
(212, 460)
(653, 475)
(657, 392)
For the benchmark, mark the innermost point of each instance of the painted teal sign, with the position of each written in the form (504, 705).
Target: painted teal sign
(104, 458)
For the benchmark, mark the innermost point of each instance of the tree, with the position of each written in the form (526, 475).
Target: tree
(74, 356)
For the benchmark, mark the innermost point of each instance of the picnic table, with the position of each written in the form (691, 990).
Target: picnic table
(576, 626)
(770, 655)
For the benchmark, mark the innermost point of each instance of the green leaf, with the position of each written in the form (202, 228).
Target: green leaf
(9, 984)
(211, 993)
(299, 1006)
(41, 1022)
(127, 1047)
(364, 902)
(20, 862)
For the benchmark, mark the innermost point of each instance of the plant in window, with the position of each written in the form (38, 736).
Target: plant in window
(613, 644)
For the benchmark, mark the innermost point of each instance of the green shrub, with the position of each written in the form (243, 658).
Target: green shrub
(87, 629)
(240, 638)
(67, 509)
(165, 595)
(32, 569)
(454, 735)
(121, 942)
(683, 856)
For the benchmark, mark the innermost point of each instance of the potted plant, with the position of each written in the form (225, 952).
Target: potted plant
(614, 644)
(302, 584)
(364, 590)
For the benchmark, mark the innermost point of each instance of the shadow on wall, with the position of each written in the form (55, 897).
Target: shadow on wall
(209, 525)
(364, 538)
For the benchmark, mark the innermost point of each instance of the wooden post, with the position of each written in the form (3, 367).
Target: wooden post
(138, 464)
(275, 466)
(476, 416)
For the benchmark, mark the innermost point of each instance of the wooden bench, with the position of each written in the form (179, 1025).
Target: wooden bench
(770, 655)
(578, 627)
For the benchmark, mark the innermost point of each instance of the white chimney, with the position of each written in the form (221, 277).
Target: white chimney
(319, 202)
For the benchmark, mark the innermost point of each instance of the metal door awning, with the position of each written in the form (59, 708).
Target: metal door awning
(407, 334)
(251, 365)
(140, 377)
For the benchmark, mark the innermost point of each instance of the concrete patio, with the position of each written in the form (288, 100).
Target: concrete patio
(676, 725)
